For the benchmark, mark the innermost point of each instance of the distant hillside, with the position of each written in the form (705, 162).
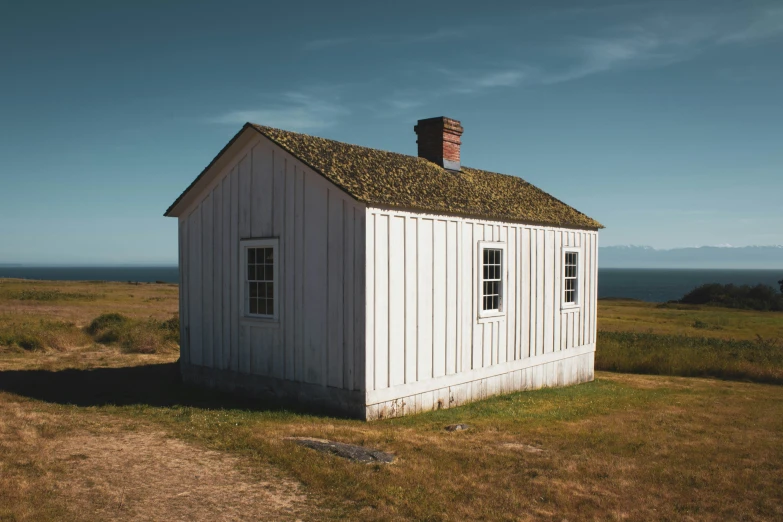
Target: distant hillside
(760, 257)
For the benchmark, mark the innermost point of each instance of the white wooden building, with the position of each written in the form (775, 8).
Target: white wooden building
(378, 284)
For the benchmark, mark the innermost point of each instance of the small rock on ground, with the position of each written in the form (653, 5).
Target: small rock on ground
(524, 447)
(346, 451)
(456, 427)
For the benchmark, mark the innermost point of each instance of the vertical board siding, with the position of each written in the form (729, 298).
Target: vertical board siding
(265, 192)
(217, 277)
(423, 304)
(184, 299)
(411, 300)
(396, 253)
(335, 288)
(368, 298)
(381, 282)
(207, 277)
(315, 271)
(424, 290)
(452, 253)
(196, 320)
(288, 289)
(439, 257)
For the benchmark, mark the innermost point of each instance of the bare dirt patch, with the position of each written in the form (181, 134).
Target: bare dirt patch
(148, 476)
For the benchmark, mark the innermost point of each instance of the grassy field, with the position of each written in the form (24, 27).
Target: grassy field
(94, 432)
(691, 341)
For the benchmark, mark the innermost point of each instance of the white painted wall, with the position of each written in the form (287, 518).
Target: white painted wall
(263, 191)
(377, 300)
(422, 306)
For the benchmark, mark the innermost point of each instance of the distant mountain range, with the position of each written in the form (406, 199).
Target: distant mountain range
(630, 256)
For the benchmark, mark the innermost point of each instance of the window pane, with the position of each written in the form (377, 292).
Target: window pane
(251, 272)
(269, 292)
(269, 255)
(251, 256)
(495, 302)
(268, 273)
(270, 308)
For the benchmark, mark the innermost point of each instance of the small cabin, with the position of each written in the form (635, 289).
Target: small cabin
(375, 284)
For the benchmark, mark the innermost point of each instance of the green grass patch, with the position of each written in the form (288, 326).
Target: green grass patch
(135, 335)
(759, 360)
(42, 334)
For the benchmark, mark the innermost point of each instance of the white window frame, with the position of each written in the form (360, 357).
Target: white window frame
(244, 245)
(488, 314)
(578, 286)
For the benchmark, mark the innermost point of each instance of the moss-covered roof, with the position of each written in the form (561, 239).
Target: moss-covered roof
(378, 177)
(382, 178)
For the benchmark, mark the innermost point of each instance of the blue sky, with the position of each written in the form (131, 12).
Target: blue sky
(663, 120)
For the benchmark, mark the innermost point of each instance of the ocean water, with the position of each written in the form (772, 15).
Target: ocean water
(142, 274)
(660, 285)
(655, 285)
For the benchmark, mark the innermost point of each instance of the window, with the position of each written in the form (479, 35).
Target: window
(260, 266)
(571, 278)
(491, 257)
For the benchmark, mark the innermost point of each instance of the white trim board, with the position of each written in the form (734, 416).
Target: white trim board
(404, 390)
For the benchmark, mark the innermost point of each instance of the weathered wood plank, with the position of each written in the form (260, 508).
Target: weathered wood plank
(217, 277)
(335, 288)
(184, 291)
(396, 267)
(196, 302)
(451, 297)
(299, 273)
(235, 269)
(540, 291)
(315, 275)
(369, 321)
(227, 271)
(411, 298)
(439, 298)
(425, 304)
(207, 215)
(381, 301)
(244, 197)
(288, 262)
(349, 276)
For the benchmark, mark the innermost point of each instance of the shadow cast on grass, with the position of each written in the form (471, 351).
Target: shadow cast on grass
(156, 385)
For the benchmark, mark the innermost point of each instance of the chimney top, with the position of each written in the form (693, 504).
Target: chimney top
(439, 141)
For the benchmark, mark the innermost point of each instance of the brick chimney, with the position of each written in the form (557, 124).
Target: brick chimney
(439, 141)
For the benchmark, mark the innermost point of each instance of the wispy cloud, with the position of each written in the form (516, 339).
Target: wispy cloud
(655, 42)
(295, 111)
(323, 43)
(768, 25)
(474, 82)
(386, 39)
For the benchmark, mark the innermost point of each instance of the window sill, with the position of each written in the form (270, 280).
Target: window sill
(491, 317)
(568, 307)
(260, 321)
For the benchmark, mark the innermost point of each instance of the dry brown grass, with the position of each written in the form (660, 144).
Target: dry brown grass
(625, 447)
(141, 301)
(624, 315)
(55, 315)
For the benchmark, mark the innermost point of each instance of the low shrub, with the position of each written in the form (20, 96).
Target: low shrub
(135, 335)
(759, 360)
(759, 297)
(43, 334)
